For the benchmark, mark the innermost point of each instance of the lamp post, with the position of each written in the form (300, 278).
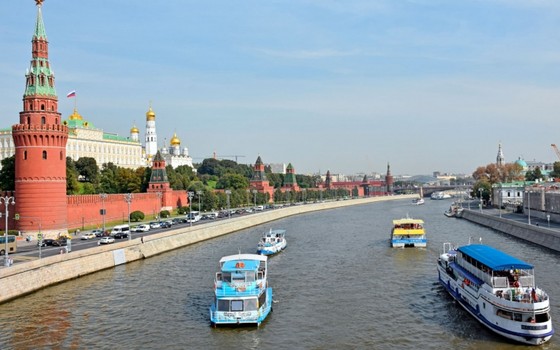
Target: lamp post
(304, 192)
(128, 199)
(248, 191)
(7, 200)
(190, 194)
(528, 206)
(480, 191)
(501, 197)
(288, 196)
(255, 198)
(199, 194)
(103, 196)
(228, 193)
(159, 195)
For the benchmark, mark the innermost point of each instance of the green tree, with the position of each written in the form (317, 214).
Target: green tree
(233, 181)
(87, 168)
(108, 182)
(8, 174)
(72, 185)
(137, 215)
(555, 173)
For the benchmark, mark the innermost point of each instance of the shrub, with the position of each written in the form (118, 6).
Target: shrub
(164, 214)
(136, 216)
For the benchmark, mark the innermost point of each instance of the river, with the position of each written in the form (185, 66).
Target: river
(338, 285)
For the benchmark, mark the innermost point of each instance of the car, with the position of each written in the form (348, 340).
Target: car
(165, 224)
(59, 242)
(176, 221)
(98, 232)
(141, 228)
(45, 242)
(120, 235)
(155, 224)
(88, 235)
(106, 240)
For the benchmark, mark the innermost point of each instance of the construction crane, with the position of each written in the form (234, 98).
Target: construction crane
(227, 156)
(556, 150)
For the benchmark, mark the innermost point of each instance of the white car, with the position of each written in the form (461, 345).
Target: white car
(155, 224)
(106, 240)
(141, 228)
(88, 235)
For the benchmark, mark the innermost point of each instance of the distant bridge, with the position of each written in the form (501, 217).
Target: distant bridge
(428, 190)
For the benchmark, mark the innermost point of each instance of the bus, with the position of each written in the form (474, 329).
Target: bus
(12, 244)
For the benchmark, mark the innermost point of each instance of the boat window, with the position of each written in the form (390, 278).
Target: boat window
(260, 275)
(226, 276)
(237, 305)
(218, 276)
(250, 277)
(251, 304)
(223, 305)
(238, 277)
(262, 299)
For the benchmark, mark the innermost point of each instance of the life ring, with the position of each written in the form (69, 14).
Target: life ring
(516, 284)
(240, 265)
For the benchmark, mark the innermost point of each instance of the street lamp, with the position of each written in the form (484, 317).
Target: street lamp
(480, 191)
(228, 193)
(7, 200)
(304, 195)
(103, 196)
(199, 193)
(190, 194)
(288, 196)
(528, 206)
(128, 199)
(248, 191)
(159, 195)
(255, 198)
(548, 219)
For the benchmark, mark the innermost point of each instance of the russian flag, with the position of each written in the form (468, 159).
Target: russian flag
(71, 94)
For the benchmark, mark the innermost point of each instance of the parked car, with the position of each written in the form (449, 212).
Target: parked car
(120, 235)
(155, 224)
(106, 240)
(88, 235)
(45, 242)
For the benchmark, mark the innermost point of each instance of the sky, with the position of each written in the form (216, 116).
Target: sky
(346, 86)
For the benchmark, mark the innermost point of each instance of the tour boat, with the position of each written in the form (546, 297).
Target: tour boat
(455, 210)
(272, 242)
(241, 292)
(408, 232)
(418, 201)
(498, 290)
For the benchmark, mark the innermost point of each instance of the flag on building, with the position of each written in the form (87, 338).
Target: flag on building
(71, 94)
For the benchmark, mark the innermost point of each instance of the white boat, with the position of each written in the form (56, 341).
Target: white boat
(418, 201)
(272, 242)
(440, 195)
(241, 292)
(408, 232)
(498, 290)
(455, 210)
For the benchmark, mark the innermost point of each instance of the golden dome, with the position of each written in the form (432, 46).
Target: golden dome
(75, 115)
(175, 140)
(134, 130)
(150, 115)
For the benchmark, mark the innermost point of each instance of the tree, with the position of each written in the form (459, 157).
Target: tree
(233, 181)
(72, 185)
(87, 168)
(8, 174)
(556, 170)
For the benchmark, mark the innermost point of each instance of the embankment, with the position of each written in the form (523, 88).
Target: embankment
(534, 234)
(28, 277)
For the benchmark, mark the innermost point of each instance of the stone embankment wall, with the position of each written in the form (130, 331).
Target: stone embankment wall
(534, 234)
(27, 277)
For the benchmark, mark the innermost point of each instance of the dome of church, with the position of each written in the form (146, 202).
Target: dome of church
(150, 115)
(175, 140)
(75, 115)
(134, 130)
(522, 163)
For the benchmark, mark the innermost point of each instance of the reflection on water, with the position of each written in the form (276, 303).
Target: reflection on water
(337, 285)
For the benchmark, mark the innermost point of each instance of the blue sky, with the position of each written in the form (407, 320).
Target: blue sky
(345, 86)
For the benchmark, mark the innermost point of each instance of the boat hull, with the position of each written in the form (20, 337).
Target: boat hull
(272, 249)
(481, 308)
(408, 243)
(242, 318)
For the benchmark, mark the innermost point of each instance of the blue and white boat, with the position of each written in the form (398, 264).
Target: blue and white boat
(408, 232)
(272, 242)
(241, 292)
(498, 290)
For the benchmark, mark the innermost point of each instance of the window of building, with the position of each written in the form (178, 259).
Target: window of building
(44, 154)
(24, 155)
(43, 120)
(42, 107)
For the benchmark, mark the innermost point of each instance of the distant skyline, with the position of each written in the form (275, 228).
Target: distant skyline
(325, 85)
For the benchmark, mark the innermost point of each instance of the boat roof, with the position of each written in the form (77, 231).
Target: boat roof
(407, 221)
(493, 258)
(251, 262)
(275, 231)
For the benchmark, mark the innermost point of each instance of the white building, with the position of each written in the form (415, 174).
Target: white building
(173, 154)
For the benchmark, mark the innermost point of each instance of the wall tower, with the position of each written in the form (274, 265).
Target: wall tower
(40, 143)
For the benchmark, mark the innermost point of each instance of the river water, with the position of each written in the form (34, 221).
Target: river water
(338, 285)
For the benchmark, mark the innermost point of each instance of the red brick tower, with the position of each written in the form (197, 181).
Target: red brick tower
(159, 183)
(40, 142)
(259, 181)
(290, 181)
(389, 180)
